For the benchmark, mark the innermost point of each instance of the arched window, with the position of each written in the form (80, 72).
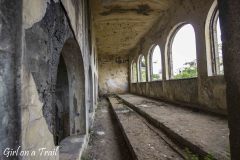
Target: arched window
(142, 69)
(183, 61)
(134, 72)
(216, 45)
(156, 63)
(214, 42)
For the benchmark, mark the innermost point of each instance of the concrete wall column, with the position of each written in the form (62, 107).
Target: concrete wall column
(229, 13)
(10, 55)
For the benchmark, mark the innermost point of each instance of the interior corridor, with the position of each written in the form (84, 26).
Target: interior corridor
(119, 79)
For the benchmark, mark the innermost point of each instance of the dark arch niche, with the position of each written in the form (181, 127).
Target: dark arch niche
(70, 105)
(62, 102)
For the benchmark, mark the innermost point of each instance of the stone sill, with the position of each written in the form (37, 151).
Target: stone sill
(71, 148)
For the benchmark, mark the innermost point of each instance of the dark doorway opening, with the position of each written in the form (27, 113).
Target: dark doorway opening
(62, 103)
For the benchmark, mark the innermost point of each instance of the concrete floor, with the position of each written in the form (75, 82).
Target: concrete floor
(146, 144)
(106, 141)
(208, 133)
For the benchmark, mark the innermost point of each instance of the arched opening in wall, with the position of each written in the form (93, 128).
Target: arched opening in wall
(155, 59)
(70, 100)
(217, 58)
(214, 42)
(182, 53)
(90, 91)
(142, 69)
(62, 103)
(134, 72)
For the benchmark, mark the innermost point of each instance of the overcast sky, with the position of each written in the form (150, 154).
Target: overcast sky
(156, 59)
(183, 47)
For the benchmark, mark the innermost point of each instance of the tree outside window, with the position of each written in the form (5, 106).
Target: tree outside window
(134, 72)
(183, 53)
(156, 64)
(143, 69)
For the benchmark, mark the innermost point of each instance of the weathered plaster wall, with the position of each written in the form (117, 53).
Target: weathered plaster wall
(205, 91)
(32, 13)
(33, 34)
(43, 42)
(29, 73)
(183, 91)
(80, 19)
(113, 74)
(10, 49)
(76, 77)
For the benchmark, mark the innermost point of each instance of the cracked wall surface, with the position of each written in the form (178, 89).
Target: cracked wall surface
(105, 41)
(30, 70)
(43, 44)
(45, 41)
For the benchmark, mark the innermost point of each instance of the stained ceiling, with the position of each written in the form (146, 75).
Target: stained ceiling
(120, 24)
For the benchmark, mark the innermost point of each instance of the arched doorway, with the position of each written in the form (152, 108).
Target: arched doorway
(70, 93)
(62, 102)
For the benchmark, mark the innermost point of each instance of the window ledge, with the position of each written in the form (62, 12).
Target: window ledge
(219, 75)
(193, 78)
(156, 81)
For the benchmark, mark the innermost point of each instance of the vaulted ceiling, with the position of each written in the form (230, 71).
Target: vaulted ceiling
(120, 24)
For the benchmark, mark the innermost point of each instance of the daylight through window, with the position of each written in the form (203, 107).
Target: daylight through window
(183, 53)
(156, 64)
(142, 69)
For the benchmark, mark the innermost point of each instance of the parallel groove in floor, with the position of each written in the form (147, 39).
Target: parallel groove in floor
(157, 113)
(145, 143)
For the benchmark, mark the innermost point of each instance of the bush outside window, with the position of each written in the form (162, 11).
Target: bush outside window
(143, 69)
(183, 61)
(156, 64)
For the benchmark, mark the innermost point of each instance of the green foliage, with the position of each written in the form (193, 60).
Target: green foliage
(191, 156)
(143, 75)
(135, 74)
(155, 77)
(209, 157)
(143, 70)
(187, 72)
(85, 157)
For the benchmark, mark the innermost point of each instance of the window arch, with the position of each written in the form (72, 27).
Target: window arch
(214, 42)
(142, 69)
(134, 72)
(182, 53)
(155, 63)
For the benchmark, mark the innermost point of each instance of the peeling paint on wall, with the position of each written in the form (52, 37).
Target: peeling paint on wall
(33, 11)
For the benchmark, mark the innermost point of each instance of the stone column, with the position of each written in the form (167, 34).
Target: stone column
(229, 13)
(10, 52)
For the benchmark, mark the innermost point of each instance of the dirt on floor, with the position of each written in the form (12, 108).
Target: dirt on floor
(106, 141)
(146, 143)
(206, 131)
